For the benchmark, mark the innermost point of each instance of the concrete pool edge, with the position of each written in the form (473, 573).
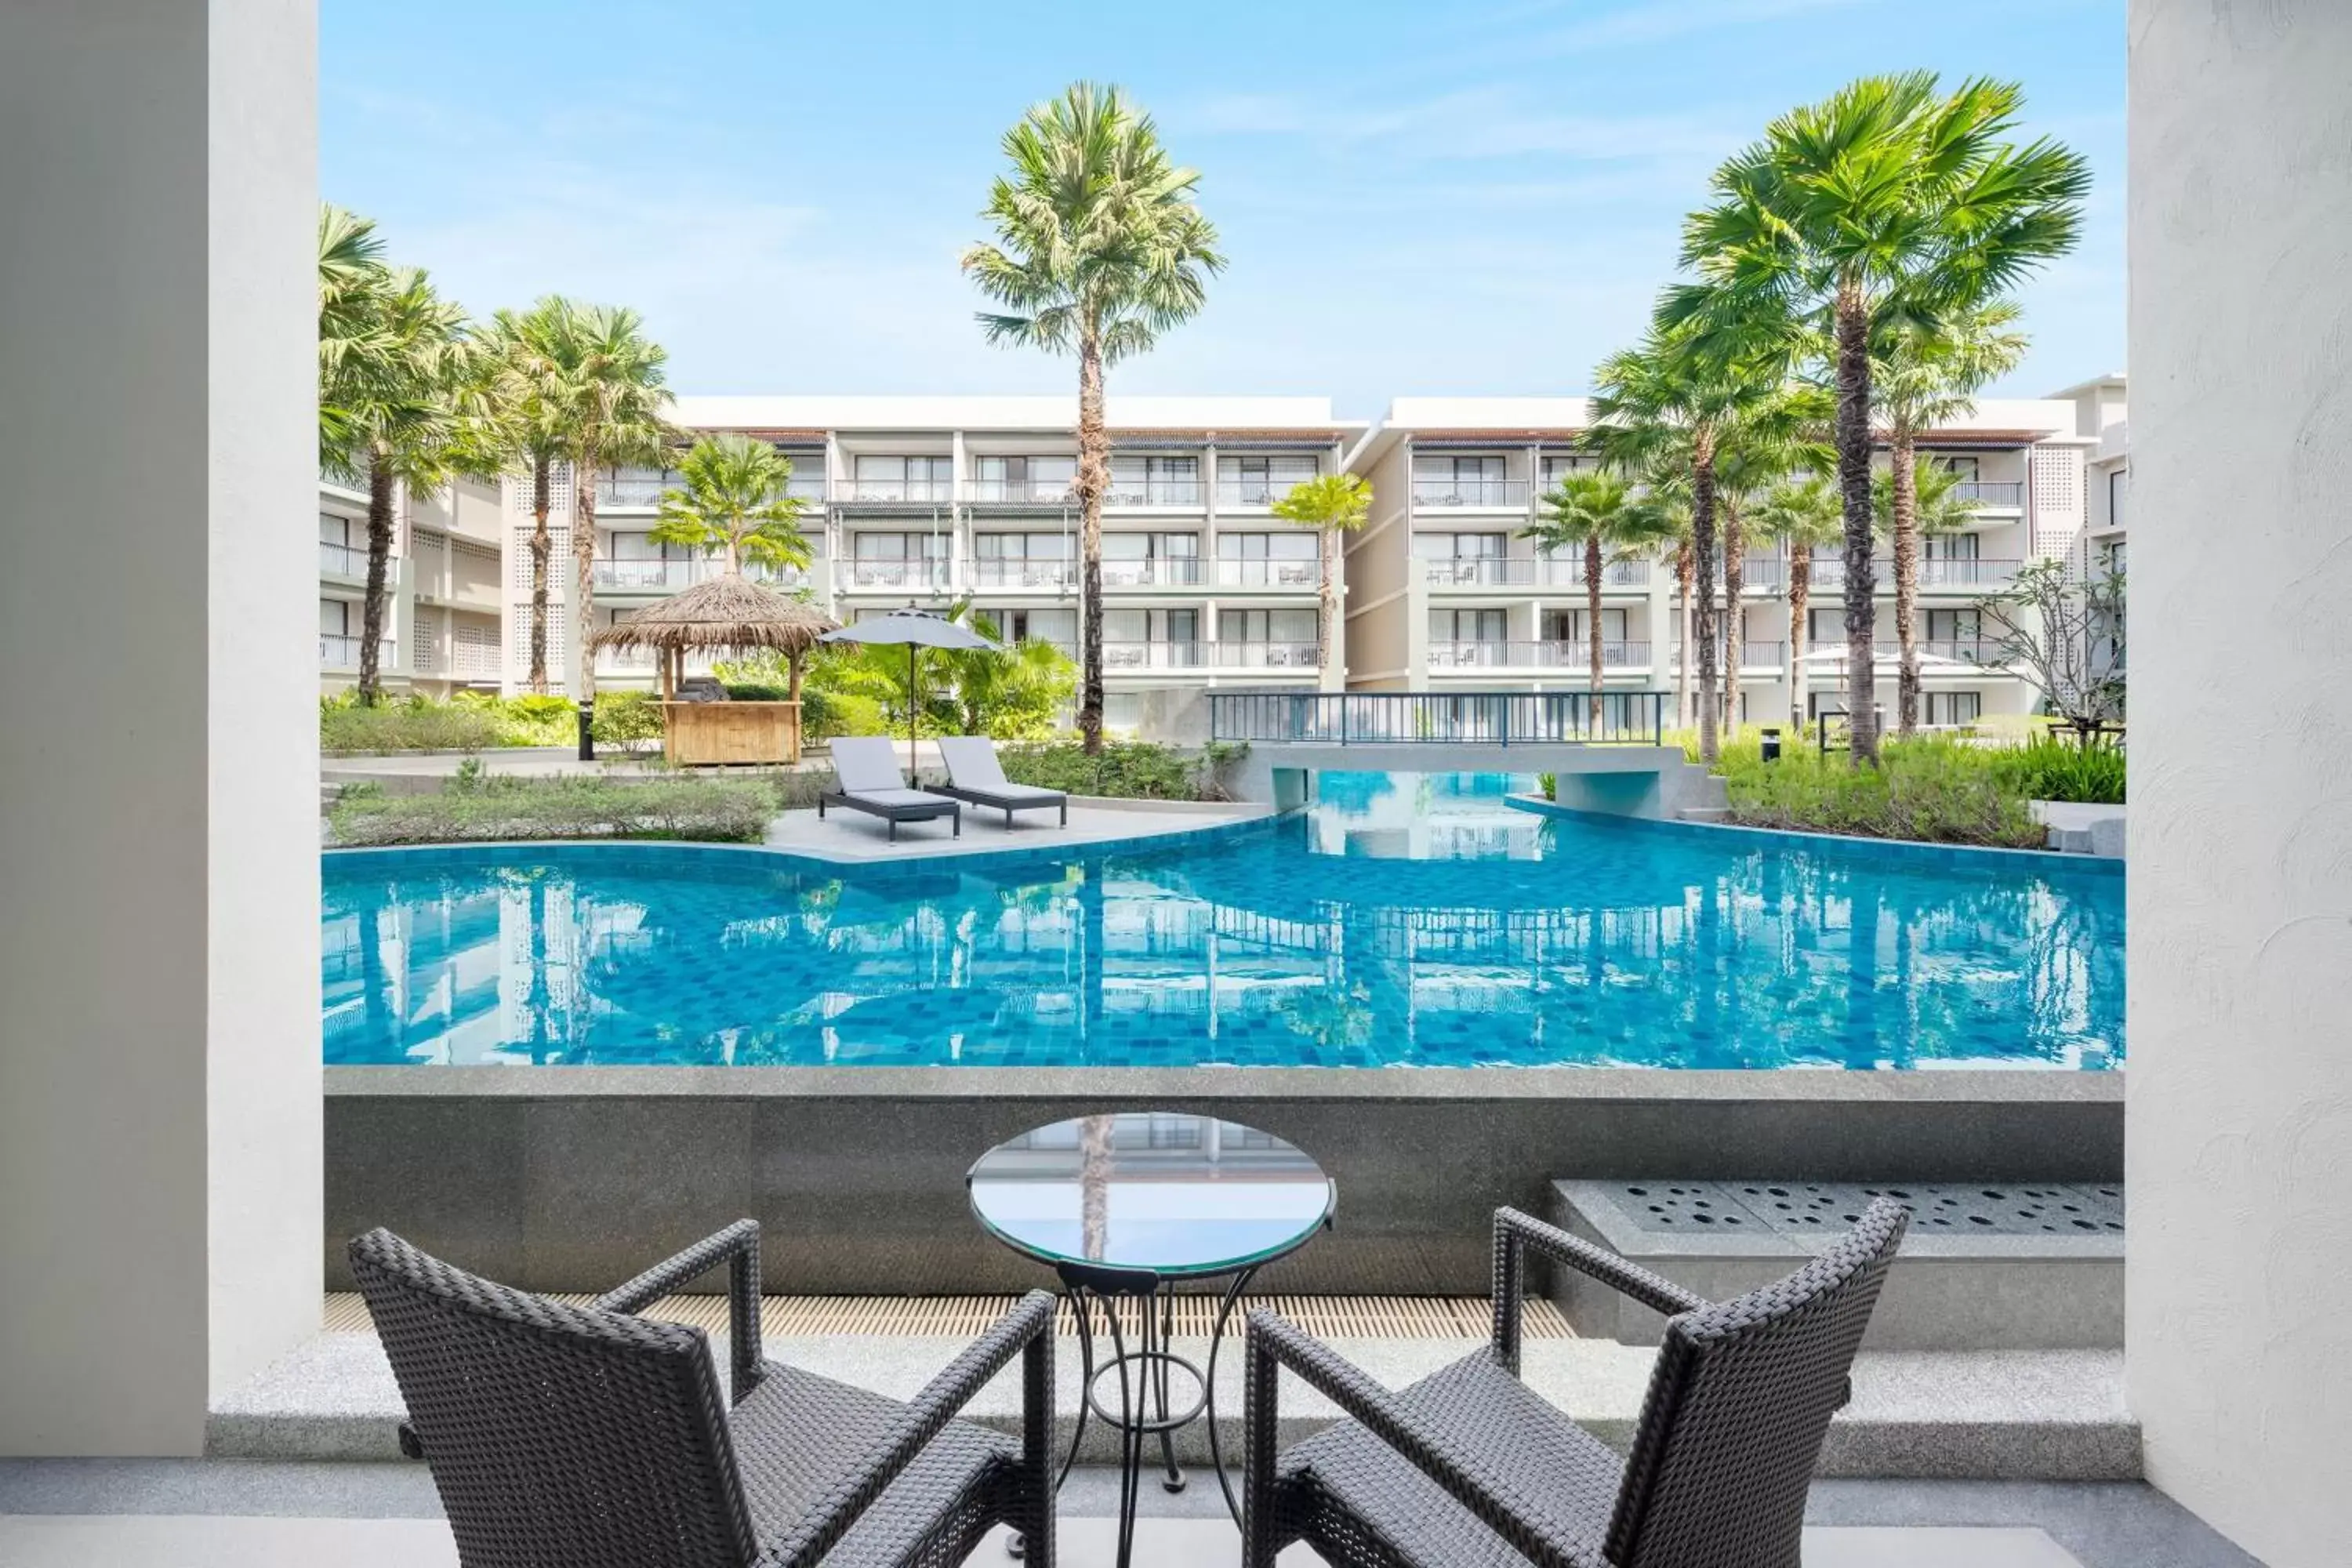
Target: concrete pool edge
(573, 1178)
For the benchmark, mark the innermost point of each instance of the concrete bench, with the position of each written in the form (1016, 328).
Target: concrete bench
(1989, 1266)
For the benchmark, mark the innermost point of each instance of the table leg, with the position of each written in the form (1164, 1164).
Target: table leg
(1174, 1479)
(1209, 1394)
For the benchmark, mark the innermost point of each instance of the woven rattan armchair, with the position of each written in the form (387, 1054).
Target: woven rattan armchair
(564, 1437)
(1468, 1468)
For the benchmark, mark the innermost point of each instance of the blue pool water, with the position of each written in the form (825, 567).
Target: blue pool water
(1406, 921)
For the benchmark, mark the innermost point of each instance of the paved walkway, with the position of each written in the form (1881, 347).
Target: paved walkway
(854, 837)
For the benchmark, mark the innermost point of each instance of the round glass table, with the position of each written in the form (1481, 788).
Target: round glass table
(1127, 1209)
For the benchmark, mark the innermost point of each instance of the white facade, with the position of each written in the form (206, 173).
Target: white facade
(1446, 592)
(443, 627)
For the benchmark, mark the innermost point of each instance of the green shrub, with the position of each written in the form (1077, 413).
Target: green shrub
(415, 725)
(1931, 788)
(1128, 769)
(758, 692)
(623, 717)
(488, 808)
(2047, 768)
(826, 714)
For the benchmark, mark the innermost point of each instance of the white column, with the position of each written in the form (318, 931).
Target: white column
(2240, 1114)
(160, 1085)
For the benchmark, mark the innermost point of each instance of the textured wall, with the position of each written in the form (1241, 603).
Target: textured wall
(2240, 1124)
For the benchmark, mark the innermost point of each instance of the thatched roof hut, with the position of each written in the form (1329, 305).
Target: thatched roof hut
(725, 614)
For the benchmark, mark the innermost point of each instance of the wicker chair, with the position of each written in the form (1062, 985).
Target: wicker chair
(1468, 1468)
(564, 1437)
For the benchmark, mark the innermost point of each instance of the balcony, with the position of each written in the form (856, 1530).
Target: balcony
(1571, 654)
(1295, 574)
(1151, 654)
(921, 574)
(1265, 655)
(669, 576)
(2007, 495)
(1004, 573)
(1253, 492)
(1051, 493)
(1755, 658)
(1937, 572)
(1152, 493)
(466, 661)
(1155, 572)
(1531, 571)
(1764, 574)
(1469, 493)
(899, 490)
(338, 652)
(342, 561)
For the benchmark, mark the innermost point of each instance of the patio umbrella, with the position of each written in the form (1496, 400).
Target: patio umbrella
(917, 629)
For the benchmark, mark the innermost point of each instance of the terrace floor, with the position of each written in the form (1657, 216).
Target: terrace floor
(853, 836)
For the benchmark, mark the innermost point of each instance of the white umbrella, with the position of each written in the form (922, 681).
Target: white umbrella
(917, 629)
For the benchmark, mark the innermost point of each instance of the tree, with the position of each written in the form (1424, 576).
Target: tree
(1678, 397)
(1920, 376)
(734, 497)
(1596, 511)
(1099, 248)
(1805, 515)
(394, 358)
(1012, 693)
(1772, 441)
(1332, 505)
(1889, 200)
(1664, 499)
(605, 394)
(517, 352)
(2068, 638)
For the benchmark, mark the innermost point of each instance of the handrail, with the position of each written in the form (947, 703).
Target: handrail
(1480, 717)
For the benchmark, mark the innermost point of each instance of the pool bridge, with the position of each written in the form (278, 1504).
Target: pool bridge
(1607, 753)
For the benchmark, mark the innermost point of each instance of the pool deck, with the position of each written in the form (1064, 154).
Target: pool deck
(851, 837)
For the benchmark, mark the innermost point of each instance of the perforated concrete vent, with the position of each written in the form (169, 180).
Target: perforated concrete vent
(1995, 1210)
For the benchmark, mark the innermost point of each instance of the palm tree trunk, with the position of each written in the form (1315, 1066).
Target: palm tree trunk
(543, 544)
(1094, 478)
(1682, 634)
(1903, 486)
(1853, 483)
(379, 537)
(1703, 563)
(583, 605)
(1734, 615)
(1800, 592)
(1331, 541)
(1592, 619)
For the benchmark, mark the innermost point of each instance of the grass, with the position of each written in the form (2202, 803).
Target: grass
(2047, 768)
(477, 809)
(1930, 789)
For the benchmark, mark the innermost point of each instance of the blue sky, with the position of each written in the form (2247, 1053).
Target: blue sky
(1416, 198)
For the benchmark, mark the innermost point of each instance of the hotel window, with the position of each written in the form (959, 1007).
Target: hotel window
(1948, 547)
(1962, 467)
(1044, 478)
(1268, 560)
(1557, 468)
(1469, 626)
(1293, 627)
(1954, 626)
(1569, 625)
(1155, 481)
(1954, 707)
(889, 477)
(1129, 558)
(1022, 560)
(1257, 481)
(1059, 627)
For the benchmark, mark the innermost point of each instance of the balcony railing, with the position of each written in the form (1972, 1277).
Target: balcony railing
(1152, 493)
(668, 576)
(897, 573)
(1530, 572)
(1155, 572)
(999, 573)
(638, 491)
(1253, 492)
(1764, 572)
(1469, 492)
(1265, 573)
(2007, 493)
(1391, 718)
(1036, 491)
(1151, 654)
(1265, 655)
(341, 561)
(338, 652)
(1553, 654)
(463, 660)
(1940, 571)
(899, 490)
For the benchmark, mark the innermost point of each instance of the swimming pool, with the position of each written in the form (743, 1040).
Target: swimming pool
(1405, 920)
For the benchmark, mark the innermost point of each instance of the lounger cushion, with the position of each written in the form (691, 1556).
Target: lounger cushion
(894, 798)
(866, 764)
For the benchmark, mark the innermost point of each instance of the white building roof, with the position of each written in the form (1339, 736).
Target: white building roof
(823, 412)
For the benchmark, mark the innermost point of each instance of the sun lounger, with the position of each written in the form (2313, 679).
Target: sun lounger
(976, 776)
(867, 770)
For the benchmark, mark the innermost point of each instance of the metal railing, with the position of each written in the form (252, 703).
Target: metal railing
(897, 573)
(899, 490)
(1937, 572)
(340, 652)
(1265, 655)
(668, 576)
(1991, 492)
(1553, 654)
(1000, 572)
(1488, 718)
(1050, 491)
(1469, 492)
(630, 491)
(1155, 572)
(1269, 573)
(1151, 654)
(1530, 572)
(1255, 492)
(1152, 493)
(341, 559)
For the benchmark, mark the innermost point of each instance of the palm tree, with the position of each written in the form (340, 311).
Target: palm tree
(1679, 396)
(605, 391)
(517, 354)
(734, 495)
(1010, 691)
(1805, 515)
(1889, 201)
(1332, 505)
(1665, 502)
(1099, 248)
(1920, 377)
(1595, 510)
(395, 383)
(1771, 442)
(351, 275)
